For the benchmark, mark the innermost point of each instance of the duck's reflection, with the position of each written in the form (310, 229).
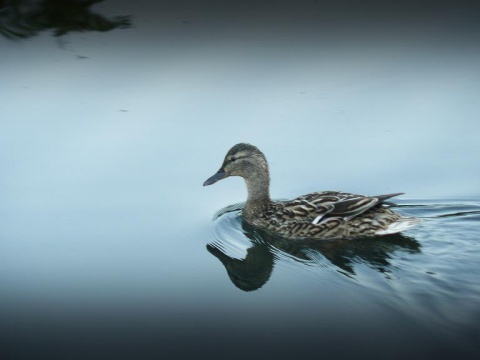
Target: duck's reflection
(250, 273)
(21, 19)
(253, 271)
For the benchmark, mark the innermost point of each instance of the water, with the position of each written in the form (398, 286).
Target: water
(109, 127)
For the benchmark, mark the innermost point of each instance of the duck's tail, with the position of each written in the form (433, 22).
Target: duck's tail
(402, 224)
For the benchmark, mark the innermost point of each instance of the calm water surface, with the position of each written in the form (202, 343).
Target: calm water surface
(113, 115)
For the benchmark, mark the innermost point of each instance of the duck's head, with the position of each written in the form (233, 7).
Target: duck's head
(243, 160)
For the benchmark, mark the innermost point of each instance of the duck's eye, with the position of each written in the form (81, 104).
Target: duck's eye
(232, 159)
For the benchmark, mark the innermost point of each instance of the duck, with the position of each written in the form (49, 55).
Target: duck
(317, 215)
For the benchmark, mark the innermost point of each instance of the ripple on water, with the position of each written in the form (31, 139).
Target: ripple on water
(427, 276)
(438, 257)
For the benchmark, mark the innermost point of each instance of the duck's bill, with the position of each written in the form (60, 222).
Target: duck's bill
(218, 176)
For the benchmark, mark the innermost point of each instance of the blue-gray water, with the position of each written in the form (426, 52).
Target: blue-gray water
(112, 118)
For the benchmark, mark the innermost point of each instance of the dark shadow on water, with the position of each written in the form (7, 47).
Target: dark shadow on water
(22, 19)
(252, 272)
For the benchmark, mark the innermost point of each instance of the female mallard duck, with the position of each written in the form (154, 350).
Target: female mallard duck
(319, 215)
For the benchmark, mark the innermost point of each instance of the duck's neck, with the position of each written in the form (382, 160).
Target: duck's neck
(258, 185)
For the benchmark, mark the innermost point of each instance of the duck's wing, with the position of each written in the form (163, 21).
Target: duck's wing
(315, 207)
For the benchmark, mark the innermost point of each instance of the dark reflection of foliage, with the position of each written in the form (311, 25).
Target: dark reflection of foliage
(254, 271)
(21, 19)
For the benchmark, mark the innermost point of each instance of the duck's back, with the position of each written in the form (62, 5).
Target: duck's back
(330, 214)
